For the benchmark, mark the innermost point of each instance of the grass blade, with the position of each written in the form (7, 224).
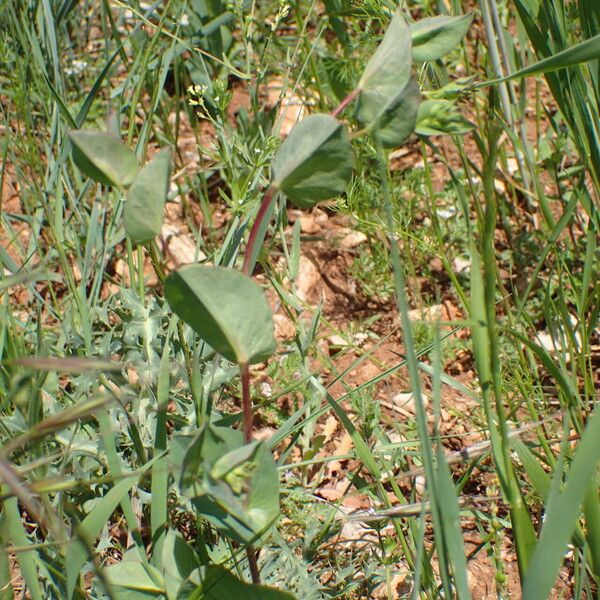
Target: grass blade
(563, 514)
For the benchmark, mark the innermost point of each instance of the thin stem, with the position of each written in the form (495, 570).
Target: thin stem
(255, 238)
(253, 564)
(345, 102)
(247, 408)
(246, 403)
(263, 211)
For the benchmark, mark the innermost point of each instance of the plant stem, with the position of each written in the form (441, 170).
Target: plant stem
(247, 407)
(345, 102)
(246, 403)
(255, 237)
(253, 564)
(253, 240)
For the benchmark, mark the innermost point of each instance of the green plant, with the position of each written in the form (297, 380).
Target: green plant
(142, 449)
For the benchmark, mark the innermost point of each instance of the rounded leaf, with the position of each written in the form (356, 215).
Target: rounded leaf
(389, 98)
(395, 123)
(226, 309)
(104, 158)
(146, 199)
(315, 161)
(434, 37)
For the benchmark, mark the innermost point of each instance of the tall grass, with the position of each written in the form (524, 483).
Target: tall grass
(84, 463)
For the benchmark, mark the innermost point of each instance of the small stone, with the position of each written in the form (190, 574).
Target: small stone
(284, 328)
(352, 240)
(427, 313)
(420, 485)
(308, 224)
(337, 341)
(461, 265)
(406, 401)
(307, 279)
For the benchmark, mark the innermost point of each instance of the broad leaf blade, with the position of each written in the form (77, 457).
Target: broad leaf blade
(315, 162)
(104, 158)
(179, 561)
(434, 37)
(146, 199)
(226, 309)
(396, 123)
(389, 98)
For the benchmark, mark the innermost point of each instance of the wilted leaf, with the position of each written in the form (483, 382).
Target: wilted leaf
(226, 309)
(389, 98)
(104, 158)
(437, 117)
(146, 199)
(315, 161)
(434, 37)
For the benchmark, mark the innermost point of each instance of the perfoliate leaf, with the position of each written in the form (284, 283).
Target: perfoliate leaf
(389, 98)
(234, 486)
(397, 122)
(434, 37)
(438, 117)
(315, 161)
(104, 158)
(146, 199)
(226, 309)
(218, 584)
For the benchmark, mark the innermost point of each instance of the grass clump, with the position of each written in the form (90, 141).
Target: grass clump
(212, 387)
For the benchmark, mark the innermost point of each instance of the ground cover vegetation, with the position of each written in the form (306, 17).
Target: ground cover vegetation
(298, 299)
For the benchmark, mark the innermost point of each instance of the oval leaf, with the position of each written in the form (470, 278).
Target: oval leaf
(389, 98)
(434, 37)
(146, 199)
(226, 309)
(397, 122)
(104, 158)
(315, 162)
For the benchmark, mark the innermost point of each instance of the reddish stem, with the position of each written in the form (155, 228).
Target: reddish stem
(246, 403)
(247, 407)
(247, 268)
(344, 103)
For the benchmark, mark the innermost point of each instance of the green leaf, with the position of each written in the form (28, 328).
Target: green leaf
(580, 53)
(396, 122)
(315, 161)
(218, 584)
(90, 529)
(439, 117)
(226, 309)
(241, 496)
(235, 486)
(104, 158)
(179, 561)
(133, 580)
(562, 514)
(434, 37)
(146, 199)
(389, 98)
